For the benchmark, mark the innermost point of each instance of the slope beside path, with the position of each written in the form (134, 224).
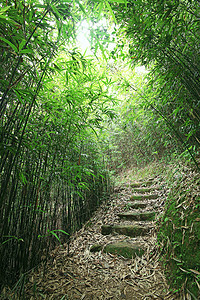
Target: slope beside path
(114, 256)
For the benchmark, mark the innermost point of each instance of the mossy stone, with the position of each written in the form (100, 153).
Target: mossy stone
(145, 179)
(106, 229)
(128, 230)
(142, 197)
(137, 205)
(96, 248)
(141, 184)
(143, 190)
(137, 216)
(125, 249)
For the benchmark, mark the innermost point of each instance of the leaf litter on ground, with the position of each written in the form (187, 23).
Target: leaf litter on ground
(77, 273)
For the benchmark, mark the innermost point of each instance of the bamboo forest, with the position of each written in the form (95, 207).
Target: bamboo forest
(100, 149)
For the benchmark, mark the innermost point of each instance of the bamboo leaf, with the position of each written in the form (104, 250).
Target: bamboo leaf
(54, 234)
(119, 1)
(26, 51)
(60, 230)
(195, 271)
(21, 45)
(81, 7)
(4, 9)
(102, 50)
(9, 43)
(100, 8)
(12, 238)
(111, 11)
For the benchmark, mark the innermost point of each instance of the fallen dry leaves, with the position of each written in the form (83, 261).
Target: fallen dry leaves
(76, 273)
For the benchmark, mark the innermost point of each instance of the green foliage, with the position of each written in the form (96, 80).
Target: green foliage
(53, 101)
(138, 135)
(53, 232)
(10, 238)
(179, 232)
(163, 37)
(61, 127)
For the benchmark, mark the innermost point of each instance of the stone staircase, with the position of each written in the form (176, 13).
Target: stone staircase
(140, 211)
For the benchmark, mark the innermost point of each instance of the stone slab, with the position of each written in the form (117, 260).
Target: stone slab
(142, 197)
(128, 230)
(143, 190)
(137, 205)
(96, 248)
(127, 250)
(124, 249)
(141, 184)
(136, 216)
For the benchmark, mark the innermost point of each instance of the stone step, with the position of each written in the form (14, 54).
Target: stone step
(127, 250)
(141, 184)
(143, 190)
(142, 197)
(138, 216)
(146, 179)
(128, 230)
(137, 205)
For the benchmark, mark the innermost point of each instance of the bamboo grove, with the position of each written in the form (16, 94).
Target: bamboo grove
(53, 175)
(164, 37)
(55, 102)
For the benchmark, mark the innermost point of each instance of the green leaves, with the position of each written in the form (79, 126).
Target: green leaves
(52, 104)
(53, 232)
(4, 16)
(4, 9)
(81, 7)
(10, 44)
(159, 37)
(111, 12)
(11, 238)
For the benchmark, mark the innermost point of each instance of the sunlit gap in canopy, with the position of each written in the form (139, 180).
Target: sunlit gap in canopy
(83, 37)
(84, 44)
(141, 69)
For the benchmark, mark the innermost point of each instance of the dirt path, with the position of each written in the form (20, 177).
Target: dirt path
(98, 275)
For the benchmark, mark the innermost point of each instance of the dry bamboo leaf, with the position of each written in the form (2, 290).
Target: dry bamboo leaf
(195, 271)
(188, 296)
(183, 270)
(197, 284)
(83, 296)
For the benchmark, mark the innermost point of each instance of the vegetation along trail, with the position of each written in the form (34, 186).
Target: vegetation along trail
(99, 149)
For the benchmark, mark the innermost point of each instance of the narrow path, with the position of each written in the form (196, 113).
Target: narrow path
(114, 256)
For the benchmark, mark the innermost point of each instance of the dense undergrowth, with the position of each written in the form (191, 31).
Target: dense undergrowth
(179, 230)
